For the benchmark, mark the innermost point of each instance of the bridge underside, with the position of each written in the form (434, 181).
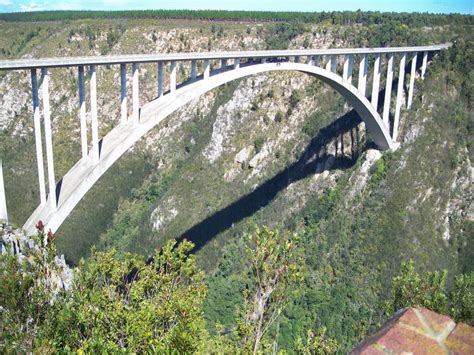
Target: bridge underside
(83, 175)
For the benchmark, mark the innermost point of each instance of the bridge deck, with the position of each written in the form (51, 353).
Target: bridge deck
(146, 58)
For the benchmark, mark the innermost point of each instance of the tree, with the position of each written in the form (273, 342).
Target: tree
(462, 298)
(117, 302)
(123, 302)
(30, 287)
(316, 344)
(274, 268)
(409, 288)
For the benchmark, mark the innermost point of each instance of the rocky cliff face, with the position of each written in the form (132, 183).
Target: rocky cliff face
(15, 242)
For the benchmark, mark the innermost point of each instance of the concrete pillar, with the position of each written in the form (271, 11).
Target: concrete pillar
(173, 77)
(328, 63)
(236, 63)
(376, 81)
(94, 123)
(333, 63)
(423, 65)
(123, 93)
(264, 60)
(362, 82)
(193, 70)
(317, 60)
(82, 112)
(412, 80)
(38, 140)
(135, 94)
(223, 63)
(3, 198)
(48, 137)
(388, 90)
(401, 79)
(207, 68)
(161, 79)
(347, 71)
(297, 59)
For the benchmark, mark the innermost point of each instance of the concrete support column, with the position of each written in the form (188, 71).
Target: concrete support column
(38, 140)
(331, 64)
(173, 77)
(423, 65)
(223, 63)
(82, 112)
(297, 59)
(347, 71)
(317, 60)
(48, 137)
(264, 60)
(3, 198)
(398, 106)
(135, 94)
(362, 82)
(193, 70)
(94, 123)
(388, 90)
(207, 68)
(376, 81)
(412, 80)
(123, 93)
(161, 79)
(236, 63)
(328, 63)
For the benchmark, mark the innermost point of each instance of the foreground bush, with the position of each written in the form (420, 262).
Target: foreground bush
(116, 302)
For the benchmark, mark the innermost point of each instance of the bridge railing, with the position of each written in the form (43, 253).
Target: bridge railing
(167, 64)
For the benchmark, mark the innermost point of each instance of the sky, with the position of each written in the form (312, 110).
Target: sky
(433, 6)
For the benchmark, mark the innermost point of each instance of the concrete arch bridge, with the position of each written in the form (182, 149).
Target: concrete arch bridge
(62, 197)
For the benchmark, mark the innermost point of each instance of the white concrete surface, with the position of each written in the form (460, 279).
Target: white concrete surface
(135, 93)
(85, 172)
(38, 139)
(3, 199)
(153, 58)
(48, 137)
(362, 82)
(412, 81)
(94, 122)
(398, 105)
(82, 112)
(388, 90)
(376, 81)
(123, 93)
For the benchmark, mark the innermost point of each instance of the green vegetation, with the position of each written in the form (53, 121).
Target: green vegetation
(279, 36)
(334, 17)
(115, 302)
(409, 288)
(120, 302)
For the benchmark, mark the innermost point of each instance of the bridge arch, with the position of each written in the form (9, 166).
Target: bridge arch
(85, 173)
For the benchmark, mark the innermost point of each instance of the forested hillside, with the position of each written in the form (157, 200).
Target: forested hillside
(276, 149)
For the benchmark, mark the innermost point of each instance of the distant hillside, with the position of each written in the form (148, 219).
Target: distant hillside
(334, 17)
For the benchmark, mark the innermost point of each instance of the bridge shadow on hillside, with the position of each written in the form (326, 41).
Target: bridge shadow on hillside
(313, 160)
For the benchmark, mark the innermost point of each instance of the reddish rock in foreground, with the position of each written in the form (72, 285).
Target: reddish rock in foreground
(419, 331)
